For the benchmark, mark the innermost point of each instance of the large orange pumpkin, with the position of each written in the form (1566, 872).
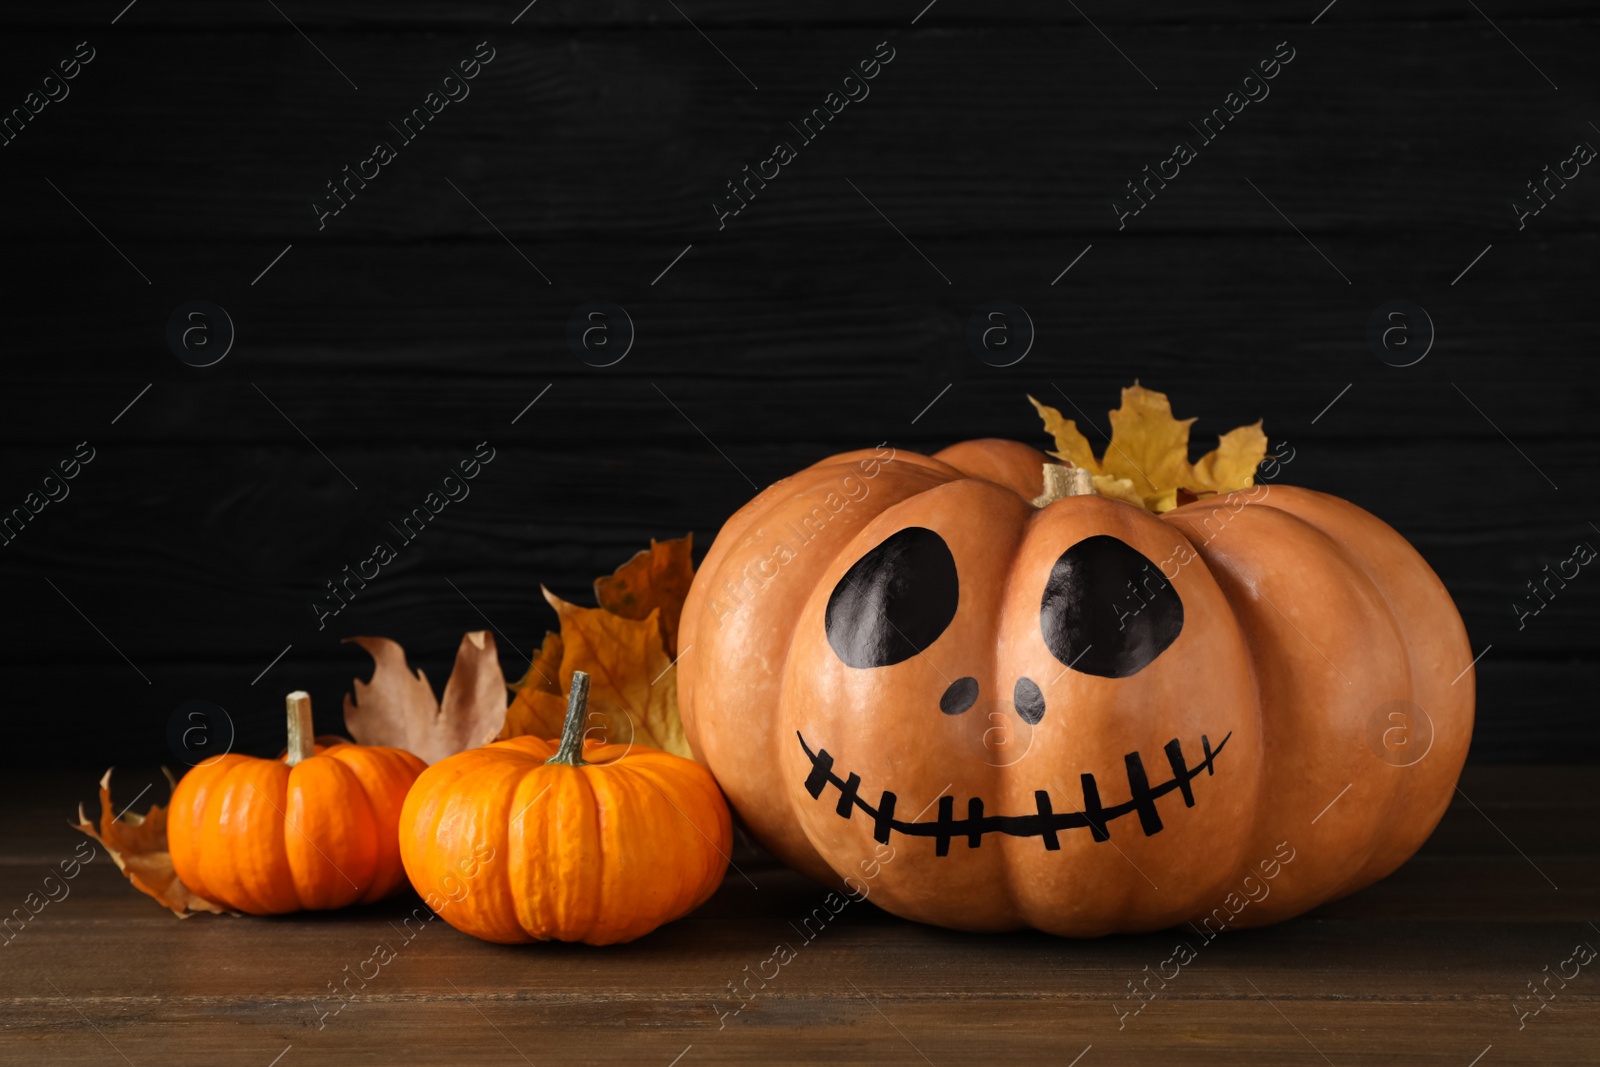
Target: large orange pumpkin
(530, 840)
(1077, 716)
(314, 829)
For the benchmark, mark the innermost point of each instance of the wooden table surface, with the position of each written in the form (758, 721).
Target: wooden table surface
(1432, 966)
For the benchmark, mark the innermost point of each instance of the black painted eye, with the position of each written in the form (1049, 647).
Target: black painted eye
(895, 601)
(1107, 610)
(1028, 699)
(959, 696)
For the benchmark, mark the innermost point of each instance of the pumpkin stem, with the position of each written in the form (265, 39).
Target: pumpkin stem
(571, 750)
(1061, 482)
(302, 737)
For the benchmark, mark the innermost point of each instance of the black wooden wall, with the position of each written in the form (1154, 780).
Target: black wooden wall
(379, 350)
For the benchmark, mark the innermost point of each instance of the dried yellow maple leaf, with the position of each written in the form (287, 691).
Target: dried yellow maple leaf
(1146, 461)
(1232, 464)
(138, 844)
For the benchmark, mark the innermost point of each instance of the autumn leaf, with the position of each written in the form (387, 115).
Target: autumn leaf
(1146, 461)
(536, 713)
(538, 707)
(1148, 446)
(633, 683)
(138, 845)
(656, 578)
(398, 708)
(1232, 464)
(1118, 489)
(1071, 445)
(628, 646)
(545, 670)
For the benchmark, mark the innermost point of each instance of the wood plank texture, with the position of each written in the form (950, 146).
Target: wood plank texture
(781, 15)
(633, 134)
(1426, 967)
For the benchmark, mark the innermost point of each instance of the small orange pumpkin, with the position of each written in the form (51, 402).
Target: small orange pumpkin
(311, 830)
(522, 840)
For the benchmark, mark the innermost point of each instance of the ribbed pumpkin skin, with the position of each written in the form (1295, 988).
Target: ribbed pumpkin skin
(265, 838)
(1304, 617)
(510, 849)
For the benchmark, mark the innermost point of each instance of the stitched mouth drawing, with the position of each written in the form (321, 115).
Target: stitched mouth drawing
(1045, 822)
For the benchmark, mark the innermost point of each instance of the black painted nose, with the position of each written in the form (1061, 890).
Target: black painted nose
(1029, 700)
(961, 695)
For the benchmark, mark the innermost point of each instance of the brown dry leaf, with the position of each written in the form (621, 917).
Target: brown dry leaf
(633, 683)
(1147, 458)
(535, 713)
(138, 844)
(544, 673)
(537, 706)
(628, 646)
(656, 578)
(398, 708)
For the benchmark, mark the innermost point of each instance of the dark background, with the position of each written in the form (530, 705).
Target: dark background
(597, 140)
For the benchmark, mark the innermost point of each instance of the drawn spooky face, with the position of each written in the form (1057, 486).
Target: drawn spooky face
(914, 685)
(1032, 677)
